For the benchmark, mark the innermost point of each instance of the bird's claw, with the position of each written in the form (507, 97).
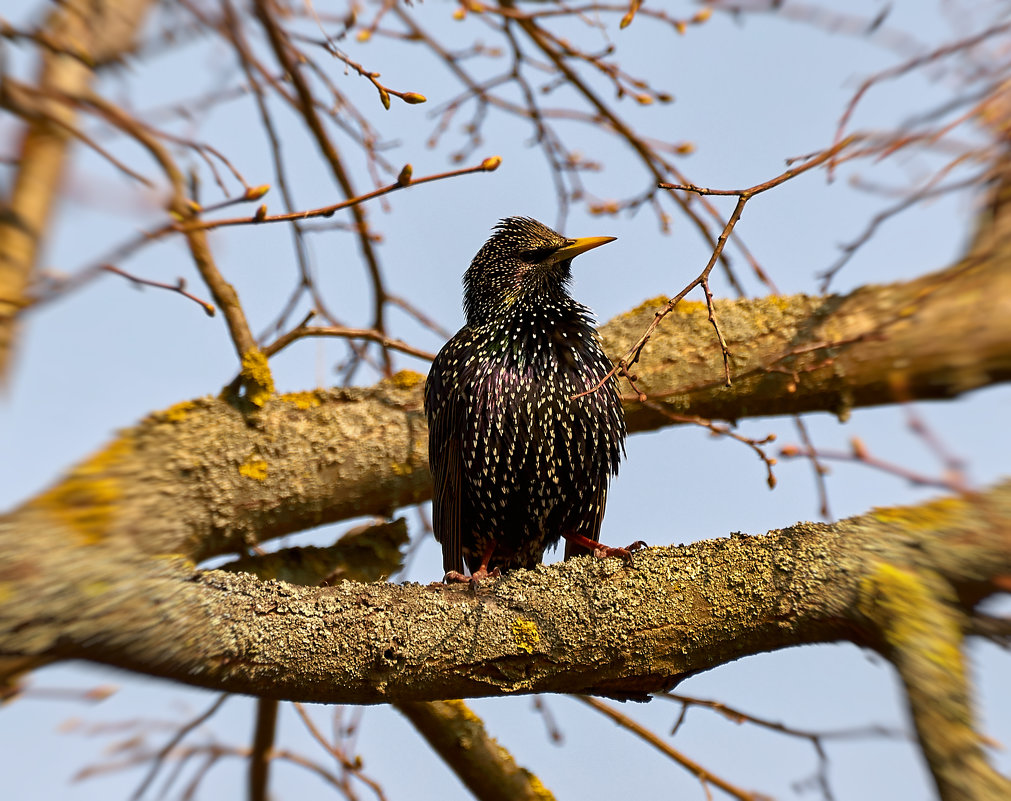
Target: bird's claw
(456, 577)
(604, 551)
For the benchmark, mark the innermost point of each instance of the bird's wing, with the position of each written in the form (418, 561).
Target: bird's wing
(592, 530)
(444, 406)
(446, 507)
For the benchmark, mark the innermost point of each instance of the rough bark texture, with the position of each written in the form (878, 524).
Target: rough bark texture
(580, 626)
(923, 626)
(933, 338)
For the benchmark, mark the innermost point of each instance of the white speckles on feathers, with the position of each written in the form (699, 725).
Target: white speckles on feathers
(515, 460)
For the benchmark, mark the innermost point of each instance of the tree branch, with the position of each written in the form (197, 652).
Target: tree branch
(82, 35)
(215, 483)
(934, 337)
(485, 767)
(260, 753)
(584, 625)
(923, 627)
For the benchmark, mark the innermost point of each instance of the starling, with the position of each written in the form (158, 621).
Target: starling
(518, 462)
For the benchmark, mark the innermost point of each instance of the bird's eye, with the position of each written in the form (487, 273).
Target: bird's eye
(535, 255)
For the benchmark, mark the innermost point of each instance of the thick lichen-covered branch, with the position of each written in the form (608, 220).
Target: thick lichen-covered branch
(922, 626)
(932, 338)
(484, 766)
(199, 480)
(584, 625)
(455, 733)
(215, 482)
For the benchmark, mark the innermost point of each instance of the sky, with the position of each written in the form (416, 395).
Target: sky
(750, 92)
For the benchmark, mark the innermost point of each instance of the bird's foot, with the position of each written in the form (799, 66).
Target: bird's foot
(483, 573)
(456, 577)
(605, 551)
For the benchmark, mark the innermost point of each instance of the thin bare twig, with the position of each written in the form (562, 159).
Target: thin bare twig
(820, 471)
(367, 334)
(158, 760)
(704, 776)
(815, 738)
(860, 455)
(702, 279)
(179, 287)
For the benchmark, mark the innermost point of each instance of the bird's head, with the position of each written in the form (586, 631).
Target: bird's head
(524, 261)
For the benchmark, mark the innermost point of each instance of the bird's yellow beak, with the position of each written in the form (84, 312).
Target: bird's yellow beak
(574, 247)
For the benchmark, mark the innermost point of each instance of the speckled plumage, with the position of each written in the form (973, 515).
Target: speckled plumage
(517, 463)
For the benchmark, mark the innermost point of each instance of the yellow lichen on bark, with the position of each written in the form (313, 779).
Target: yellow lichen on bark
(178, 412)
(256, 377)
(406, 379)
(934, 514)
(911, 615)
(525, 635)
(652, 304)
(464, 711)
(302, 400)
(254, 467)
(86, 500)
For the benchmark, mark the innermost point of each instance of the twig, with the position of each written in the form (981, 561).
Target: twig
(954, 466)
(489, 164)
(224, 294)
(159, 758)
(703, 775)
(815, 738)
(906, 67)
(743, 196)
(820, 471)
(179, 286)
(724, 430)
(368, 334)
(346, 764)
(282, 48)
(260, 752)
(860, 455)
(550, 724)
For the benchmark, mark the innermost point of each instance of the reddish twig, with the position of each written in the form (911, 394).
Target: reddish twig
(815, 738)
(724, 430)
(351, 766)
(743, 196)
(954, 465)
(489, 164)
(703, 775)
(179, 286)
(367, 334)
(907, 67)
(550, 724)
(820, 471)
(158, 759)
(860, 455)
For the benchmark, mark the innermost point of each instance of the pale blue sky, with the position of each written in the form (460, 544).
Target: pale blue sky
(749, 94)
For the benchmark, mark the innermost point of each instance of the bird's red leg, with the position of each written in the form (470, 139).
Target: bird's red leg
(604, 551)
(481, 573)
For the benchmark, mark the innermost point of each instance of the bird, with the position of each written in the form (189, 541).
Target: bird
(525, 423)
